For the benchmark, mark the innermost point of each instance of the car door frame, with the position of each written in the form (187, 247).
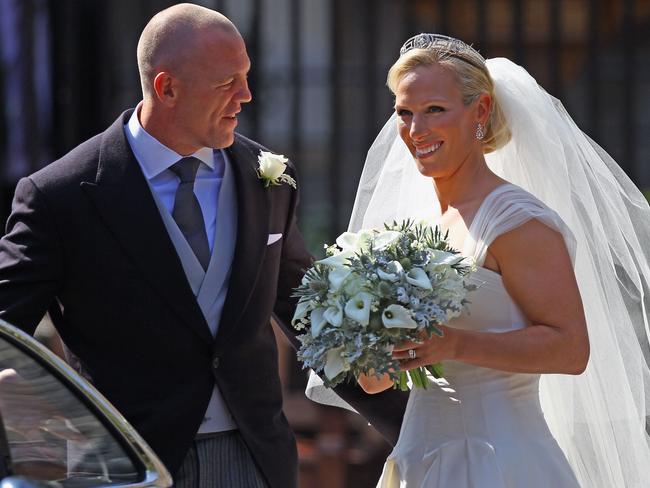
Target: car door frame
(153, 471)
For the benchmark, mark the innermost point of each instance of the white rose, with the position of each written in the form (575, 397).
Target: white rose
(271, 165)
(271, 170)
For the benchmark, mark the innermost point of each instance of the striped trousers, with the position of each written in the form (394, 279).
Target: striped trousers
(220, 461)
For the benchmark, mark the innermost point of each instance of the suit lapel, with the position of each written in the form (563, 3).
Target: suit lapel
(252, 235)
(124, 201)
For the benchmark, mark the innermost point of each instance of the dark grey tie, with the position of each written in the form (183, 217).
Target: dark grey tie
(187, 211)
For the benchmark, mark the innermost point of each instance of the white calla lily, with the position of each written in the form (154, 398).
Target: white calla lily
(365, 236)
(384, 239)
(334, 315)
(418, 277)
(337, 276)
(340, 259)
(353, 285)
(443, 257)
(301, 311)
(347, 240)
(354, 241)
(318, 321)
(392, 273)
(335, 364)
(358, 308)
(392, 277)
(397, 316)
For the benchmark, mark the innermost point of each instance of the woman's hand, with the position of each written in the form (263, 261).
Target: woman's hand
(430, 350)
(537, 273)
(371, 384)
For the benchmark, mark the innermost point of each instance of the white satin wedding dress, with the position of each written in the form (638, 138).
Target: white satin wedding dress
(479, 427)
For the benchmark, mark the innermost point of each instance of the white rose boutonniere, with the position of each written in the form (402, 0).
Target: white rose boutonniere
(271, 170)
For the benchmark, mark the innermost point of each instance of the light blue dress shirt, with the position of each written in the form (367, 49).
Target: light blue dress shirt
(155, 159)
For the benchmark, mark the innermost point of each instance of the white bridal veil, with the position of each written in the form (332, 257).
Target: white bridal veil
(599, 417)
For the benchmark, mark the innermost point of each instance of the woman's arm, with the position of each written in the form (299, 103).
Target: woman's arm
(537, 273)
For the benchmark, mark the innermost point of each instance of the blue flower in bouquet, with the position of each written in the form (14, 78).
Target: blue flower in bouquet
(373, 290)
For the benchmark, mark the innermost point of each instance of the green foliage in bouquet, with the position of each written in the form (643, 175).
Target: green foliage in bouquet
(374, 290)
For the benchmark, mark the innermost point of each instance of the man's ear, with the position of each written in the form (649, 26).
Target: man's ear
(164, 86)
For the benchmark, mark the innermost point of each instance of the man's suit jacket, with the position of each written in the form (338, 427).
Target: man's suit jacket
(85, 231)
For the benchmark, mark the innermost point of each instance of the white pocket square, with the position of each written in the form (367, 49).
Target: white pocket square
(273, 238)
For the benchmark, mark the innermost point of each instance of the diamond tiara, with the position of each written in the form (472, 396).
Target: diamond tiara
(449, 45)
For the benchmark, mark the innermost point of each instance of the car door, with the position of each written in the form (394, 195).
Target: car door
(57, 430)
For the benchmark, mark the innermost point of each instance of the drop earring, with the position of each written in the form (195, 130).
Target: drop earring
(480, 134)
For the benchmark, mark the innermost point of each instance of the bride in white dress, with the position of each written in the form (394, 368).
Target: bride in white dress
(546, 377)
(482, 426)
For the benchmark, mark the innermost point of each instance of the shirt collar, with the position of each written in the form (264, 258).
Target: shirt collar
(154, 157)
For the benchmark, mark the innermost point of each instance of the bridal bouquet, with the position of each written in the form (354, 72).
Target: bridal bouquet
(376, 289)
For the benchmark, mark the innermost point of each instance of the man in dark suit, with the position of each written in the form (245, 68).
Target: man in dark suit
(167, 255)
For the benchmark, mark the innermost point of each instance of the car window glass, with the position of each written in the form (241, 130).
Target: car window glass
(51, 433)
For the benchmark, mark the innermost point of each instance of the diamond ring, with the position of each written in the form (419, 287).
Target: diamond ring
(412, 354)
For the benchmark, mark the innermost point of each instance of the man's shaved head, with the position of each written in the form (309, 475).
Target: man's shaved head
(173, 37)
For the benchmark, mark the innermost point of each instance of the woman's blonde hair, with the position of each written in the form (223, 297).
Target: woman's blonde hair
(473, 79)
